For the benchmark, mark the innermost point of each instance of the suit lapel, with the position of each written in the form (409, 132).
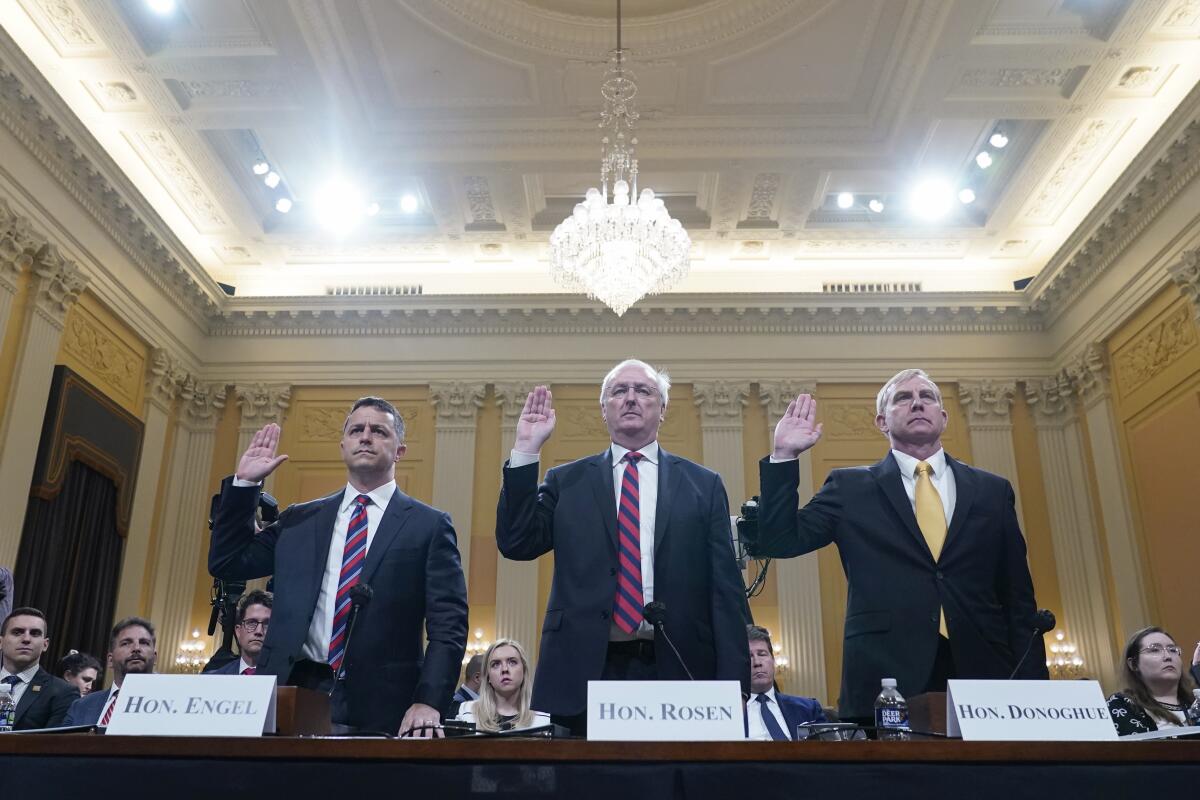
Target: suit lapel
(668, 484)
(964, 496)
(394, 518)
(32, 692)
(887, 475)
(602, 488)
(324, 520)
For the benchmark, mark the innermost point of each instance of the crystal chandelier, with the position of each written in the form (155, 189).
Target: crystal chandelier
(615, 248)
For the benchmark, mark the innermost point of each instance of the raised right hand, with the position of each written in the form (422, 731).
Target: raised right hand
(260, 460)
(798, 429)
(536, 422)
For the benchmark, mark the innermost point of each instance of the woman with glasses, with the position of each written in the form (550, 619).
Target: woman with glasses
(1158, 689)
(505, 696)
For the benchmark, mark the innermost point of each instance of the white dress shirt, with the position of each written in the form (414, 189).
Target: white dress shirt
(316, 647)
(647, 504)
(941, 476)
(755, 728)
(19, 689)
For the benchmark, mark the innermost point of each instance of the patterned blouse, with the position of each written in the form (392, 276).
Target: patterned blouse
(1129, 717)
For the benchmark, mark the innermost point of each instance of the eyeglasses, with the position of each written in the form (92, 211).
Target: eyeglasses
(252, 625)
(1158, 649)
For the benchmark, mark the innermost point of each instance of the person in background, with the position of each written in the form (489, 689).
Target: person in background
(1157, 690)
(131, 650)
(253, 616)
(472, 680)
(80, 670)
(505, 697)
(771, 714)
(41, 699)
(6, 592)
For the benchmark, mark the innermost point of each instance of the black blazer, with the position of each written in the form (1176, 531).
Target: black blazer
(414, 569)
(895, 589)
(574, 514)
(45, 702)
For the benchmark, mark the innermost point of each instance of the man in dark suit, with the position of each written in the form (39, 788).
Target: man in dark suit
(42, 699)
(369, 533)
(252, 618)
(131, 650)
(472, 681)
(630, 525)
(938, 583)
(771, 714)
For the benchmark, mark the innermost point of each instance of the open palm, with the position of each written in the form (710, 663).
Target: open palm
(536, 422)
(260, 458)
(798, 429)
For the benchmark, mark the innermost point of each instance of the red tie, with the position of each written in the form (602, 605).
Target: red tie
(627, 607)
(250, 671)
(108, 712)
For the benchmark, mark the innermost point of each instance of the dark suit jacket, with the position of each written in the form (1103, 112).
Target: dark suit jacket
(414, 569)
(981, 579)
(45, 702)
(796, 711)
(574, 513)
(86, 710)
(230, 668)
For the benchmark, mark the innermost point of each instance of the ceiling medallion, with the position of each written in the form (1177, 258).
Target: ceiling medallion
(613, 247)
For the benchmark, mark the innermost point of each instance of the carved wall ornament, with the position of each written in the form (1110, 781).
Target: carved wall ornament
(58, 284)
(1051, 399)
(204, 210)
(202, 403)
(111, 361)
(457, 401)
(1156, 349)
(165, 377)
(232, 88)
(1073, 168)
(1138, 77)
(1088, 372)
(322, 423)
(762, 196)
(987, 401)
(776, 395)
(583, 422)
(1185, 14)
(18, 245)
(720, 400)
(117, 92)
(511, 397)
(68, 22)
(850, 421)
(1016, 77)
(1186, 275)
(262, 403)
(479, 199)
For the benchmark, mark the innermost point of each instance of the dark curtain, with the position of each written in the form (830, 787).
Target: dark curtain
(69, 562)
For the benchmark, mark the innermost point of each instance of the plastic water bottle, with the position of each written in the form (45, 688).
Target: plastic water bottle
(1193, 712)
(8, 709)
(891, 712)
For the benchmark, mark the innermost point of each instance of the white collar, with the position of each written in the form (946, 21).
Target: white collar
(908, 464)
(380, 495)
(649, 452)
(25, 675)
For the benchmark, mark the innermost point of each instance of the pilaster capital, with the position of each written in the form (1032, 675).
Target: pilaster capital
(18, 244)
(164, 379)
(1186, 275)
(775, 396)
(1051, 399)
(262, 403)
(58, 282)
(457, 402)
(987, 402)
(202, 403)
(511, 397)
(1088, 373)
(720, 401)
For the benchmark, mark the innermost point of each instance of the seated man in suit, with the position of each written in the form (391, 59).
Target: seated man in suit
(630, 525)
(939, 587)
(472, 681)
(42, 699)
(771, 714)
(250, 629)
(131, 651)
(368, 536)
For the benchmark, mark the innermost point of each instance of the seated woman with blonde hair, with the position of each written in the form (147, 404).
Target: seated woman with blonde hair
(1157, 690)
(504, 696)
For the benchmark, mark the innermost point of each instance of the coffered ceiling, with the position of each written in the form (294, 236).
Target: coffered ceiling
(755, 115)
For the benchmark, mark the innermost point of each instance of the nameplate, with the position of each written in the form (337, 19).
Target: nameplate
(1012, 711)
(671, 711)
(194, 705)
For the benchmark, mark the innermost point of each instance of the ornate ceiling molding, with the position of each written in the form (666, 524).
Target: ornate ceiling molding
(38, 118)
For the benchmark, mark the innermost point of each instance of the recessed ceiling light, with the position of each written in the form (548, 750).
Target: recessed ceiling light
(845, 200)
(162, 7)
(339, 206)
(409, 203)
(931, 199)
(984, 159)
(283, 205)
(998, 140)
(272, 180)
(261, 167)
(876, 205)
(966, 196)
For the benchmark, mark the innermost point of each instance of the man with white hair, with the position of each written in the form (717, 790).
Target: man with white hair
(938, 583)
(628, 526)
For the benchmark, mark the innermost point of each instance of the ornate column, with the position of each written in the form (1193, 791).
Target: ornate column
(1090, 378)
(1186, 275)
(721, 404)
(1072, 524)
(516, 581)
(988, 406)
(260, 404)
(18, 244)
(183, 535)
(164, 379)
(799, 579)
(457, 405)
(56, 284)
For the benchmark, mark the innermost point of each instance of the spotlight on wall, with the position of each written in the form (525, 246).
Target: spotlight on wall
(272, 180)
(984, 159)
(876, 205)
(966, 196)
(409, 204)
(845, 200)
(931, 199)
(998, 140)
(261, 167)
(161, 7)
(283, 205)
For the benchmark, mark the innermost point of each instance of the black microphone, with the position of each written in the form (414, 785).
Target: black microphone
(1043, 621)
(360, 595)
(654, 613)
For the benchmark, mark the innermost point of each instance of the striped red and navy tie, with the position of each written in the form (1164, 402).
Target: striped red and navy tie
(627, 607)
(353, 555)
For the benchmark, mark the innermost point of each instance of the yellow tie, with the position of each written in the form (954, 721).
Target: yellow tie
(931, 519)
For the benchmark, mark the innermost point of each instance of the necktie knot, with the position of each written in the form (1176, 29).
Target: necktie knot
(633, 457)
(12, 680)
(249, 670)
(363, 500)
(762, 698)
(923, 469)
